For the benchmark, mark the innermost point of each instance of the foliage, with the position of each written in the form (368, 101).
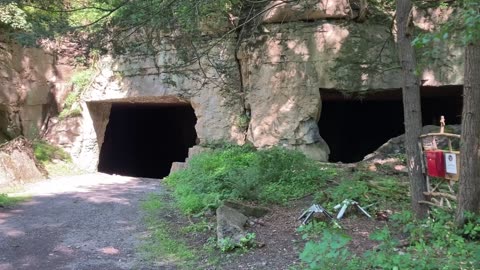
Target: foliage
(62, 168)
(243, 121)
(162, 242)
(471, 229)
(462, 28)
(433, 243)
(45, 152)
(273, 175)
(329, 253)
(13, 16)
(80, 80)
(248, 241)
(367, 188)
(109, 20)
(6, 201)
(312, 230)
(228, 244)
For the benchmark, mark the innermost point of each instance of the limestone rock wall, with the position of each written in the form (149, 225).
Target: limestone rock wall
(29, 81)
(284, 68)
(264, 92)
(24, 89)
(211, 86)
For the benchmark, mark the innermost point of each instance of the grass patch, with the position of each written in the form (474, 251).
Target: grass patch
(62, 168)
(164, 242)
(367, 188)
(80, 80)
(433, 243)
(7, 201)
(55, 160)
(275, 175)
(45, 152)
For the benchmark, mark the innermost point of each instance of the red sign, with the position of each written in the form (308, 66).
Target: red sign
(435, 163)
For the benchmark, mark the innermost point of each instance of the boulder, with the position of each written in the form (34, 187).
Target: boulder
(230, 225)
(18, 163)
(247, 210)
(395, 146)
(177, 166)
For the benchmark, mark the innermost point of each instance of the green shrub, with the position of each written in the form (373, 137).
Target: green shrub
(6, 200)
(274, 175)
(433, 243)
(367, 188)
(45, 152)
(329, 253)
(81, 78)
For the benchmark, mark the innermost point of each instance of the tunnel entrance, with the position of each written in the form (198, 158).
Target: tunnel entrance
(354, 126)
(142, 140)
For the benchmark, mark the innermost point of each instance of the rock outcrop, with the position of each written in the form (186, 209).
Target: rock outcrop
(18, 164)
(230, 225)
(31, 83)
(263, 89)
(395, 147)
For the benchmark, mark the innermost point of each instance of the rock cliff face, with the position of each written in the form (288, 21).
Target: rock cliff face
(264, 89)
(30, 81)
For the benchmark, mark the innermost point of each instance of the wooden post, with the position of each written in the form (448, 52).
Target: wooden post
(442, 124)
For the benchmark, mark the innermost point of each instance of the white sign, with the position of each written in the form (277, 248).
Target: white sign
(451, 163)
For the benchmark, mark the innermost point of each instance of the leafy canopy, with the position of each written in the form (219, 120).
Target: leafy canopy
(46, 18)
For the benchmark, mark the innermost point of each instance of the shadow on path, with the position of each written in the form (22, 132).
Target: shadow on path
(81, 222)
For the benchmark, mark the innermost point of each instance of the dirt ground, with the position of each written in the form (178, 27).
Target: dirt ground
(81, 222)
(276, 233)
(95, 222)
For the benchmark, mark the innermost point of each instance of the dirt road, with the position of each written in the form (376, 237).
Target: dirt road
(81, 222)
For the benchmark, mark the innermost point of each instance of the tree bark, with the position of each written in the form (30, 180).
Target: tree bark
(469, 188)
(411, 108)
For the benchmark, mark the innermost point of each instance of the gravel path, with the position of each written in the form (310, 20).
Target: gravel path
(81, 222)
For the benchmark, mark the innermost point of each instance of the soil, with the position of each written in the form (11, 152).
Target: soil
(278, 242)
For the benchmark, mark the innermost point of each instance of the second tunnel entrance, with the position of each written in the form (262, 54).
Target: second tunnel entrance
(142, 140)
(354, 127)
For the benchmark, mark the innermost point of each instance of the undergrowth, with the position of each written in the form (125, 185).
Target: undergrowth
(54, 159)
(45, 152)
(433, 243)
(6, 201)
(80, 81)
(275, 175)
(163, 242)
(368, 189)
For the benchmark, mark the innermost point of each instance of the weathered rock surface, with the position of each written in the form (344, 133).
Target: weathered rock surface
(64, 132)
(177, 166)
(211, 87)
(29, 81)
(281, 11)
(230, 224)
(396, 146)
(247, 210)
(17, 163)
(266, 92)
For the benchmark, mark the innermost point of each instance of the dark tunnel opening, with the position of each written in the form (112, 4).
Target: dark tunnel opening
(354, 127)
(142, 140)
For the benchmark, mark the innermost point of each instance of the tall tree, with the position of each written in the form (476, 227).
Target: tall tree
(469, 188)
(411, 106)
(464, 26)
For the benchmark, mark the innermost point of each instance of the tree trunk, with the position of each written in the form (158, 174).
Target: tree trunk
(411, 108)
(469, 189)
